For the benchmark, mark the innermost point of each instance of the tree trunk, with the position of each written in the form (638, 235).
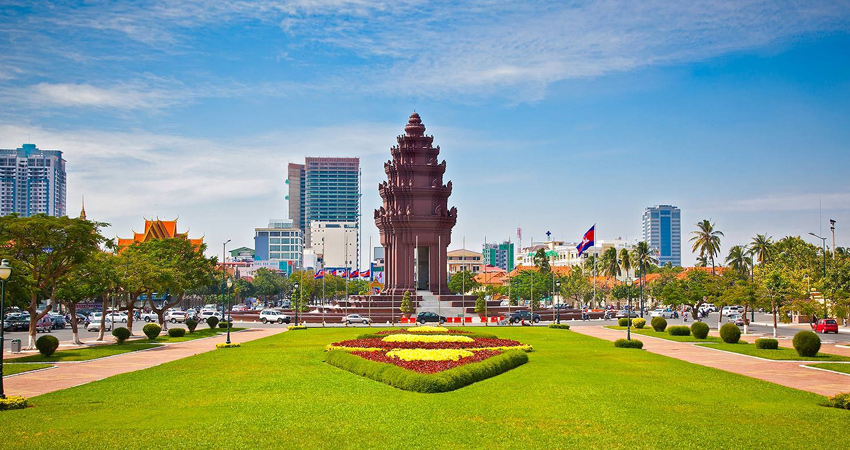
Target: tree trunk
(131, 309)
(72, 308)
(773, 307)
(34, 318)
(102, 319)
(746, 322)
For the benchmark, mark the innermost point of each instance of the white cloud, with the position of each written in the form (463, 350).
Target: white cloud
(793, 202)
(74, 95)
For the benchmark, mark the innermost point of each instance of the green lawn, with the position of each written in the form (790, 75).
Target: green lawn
(782, 353)
(199, 333)
(664, 335)
(576, 391)
(843, 368)
(85, 354)
(12, 368)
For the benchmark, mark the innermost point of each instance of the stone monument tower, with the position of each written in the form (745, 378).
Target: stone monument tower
(415, 221)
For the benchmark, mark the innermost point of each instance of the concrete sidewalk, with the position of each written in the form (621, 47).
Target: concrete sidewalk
(788, 374)
(67, 375)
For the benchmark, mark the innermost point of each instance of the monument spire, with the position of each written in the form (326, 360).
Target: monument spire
(83, 211)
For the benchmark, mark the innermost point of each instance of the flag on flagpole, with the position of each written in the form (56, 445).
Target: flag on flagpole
(587, 241)
(343, 273)
(366, 273)
(354, 274)
(319, 275)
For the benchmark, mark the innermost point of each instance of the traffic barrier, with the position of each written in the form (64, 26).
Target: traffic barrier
(467, 319)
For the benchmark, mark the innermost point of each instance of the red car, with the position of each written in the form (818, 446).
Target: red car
(825, 326)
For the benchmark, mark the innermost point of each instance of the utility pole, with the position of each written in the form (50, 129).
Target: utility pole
(832, 229)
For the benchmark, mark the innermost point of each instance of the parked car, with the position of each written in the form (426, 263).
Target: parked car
(58, 321)
(356, 318)
(16, 322)
(94, 322)
(270, 315)
(825, 326)
(665, 313)
(727, 310)
(117, 316)
(519, 316)
(426, 316)
(177, 316)
(623, 313)
(737, 319)
(148, 317)
(207, 314)
(44, 325)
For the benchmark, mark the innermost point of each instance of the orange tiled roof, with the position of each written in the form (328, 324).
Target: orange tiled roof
(559, 270)
(158, 229)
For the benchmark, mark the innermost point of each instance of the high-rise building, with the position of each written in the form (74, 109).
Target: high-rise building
(32, 181)
(499, 255)
(662, 230)
(324, 190)
(335, 244)
(279, 246)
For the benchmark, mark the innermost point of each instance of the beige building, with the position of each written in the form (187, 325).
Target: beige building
(335, 244)
(463, 259)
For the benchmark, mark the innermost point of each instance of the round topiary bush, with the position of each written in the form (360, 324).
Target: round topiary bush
(176, 332)
(191, 325)
(624, 322)
(659, 324)
(46, 345)
(806, 343)
(625, 343)
(122, 334)
(152, 330)
(841, 400)
(225, 325)
(639, 323)
(699, 330)
(767, 344)
(212, 321)
(679, 330)
(730, 333)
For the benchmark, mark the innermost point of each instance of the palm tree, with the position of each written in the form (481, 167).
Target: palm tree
(706, 240)
(702, 261)
(739, 261)
(610, 263)
(642, 257)
(625, 260)
(760, 247)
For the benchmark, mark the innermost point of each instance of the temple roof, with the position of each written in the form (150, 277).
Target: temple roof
(414, 125)
(158, 229)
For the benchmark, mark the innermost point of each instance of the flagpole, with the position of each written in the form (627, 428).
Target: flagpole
(463, 291)
(370, 284)
(345, 255)
(386, 280)
(416, 263)
(486, 316)
(324, 299)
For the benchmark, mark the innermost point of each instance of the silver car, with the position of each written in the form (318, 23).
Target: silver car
(356, 318)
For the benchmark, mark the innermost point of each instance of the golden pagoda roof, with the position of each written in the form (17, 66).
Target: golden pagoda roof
(158, 229)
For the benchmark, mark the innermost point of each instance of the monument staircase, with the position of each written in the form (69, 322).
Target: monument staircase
(430, 302)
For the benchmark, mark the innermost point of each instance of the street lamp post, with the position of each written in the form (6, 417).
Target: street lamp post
(629, 312)
(229, 284)
(223, 271)
(558, 309)
(297, 305)
(5, 272)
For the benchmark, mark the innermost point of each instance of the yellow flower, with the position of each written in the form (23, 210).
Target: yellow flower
(429, 355)
(427, 329)
(426, 338)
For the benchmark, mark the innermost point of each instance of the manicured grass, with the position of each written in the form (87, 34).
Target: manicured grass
(843, 368)
(782, 353)
(199, 333)
(576, 391)
(665, 335)
(85, 354)
(12, 369)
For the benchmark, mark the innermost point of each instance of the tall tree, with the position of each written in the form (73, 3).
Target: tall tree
(541, 261)
(610, 263)
(576, 286)
(761, 246)
(739, 261)
(706, 240)
(44, 249)
(462, 282)
(625, 260)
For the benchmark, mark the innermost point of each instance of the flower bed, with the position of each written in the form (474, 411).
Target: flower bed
(426, 338)
(232, 345)
(370, 344)
(426, 366)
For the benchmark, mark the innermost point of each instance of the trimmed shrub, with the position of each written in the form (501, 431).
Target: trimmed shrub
(559, 326)
(659, 324)
(191, 325)
(624, 322)
(46, 345)
(176, 332)
(297, 327)
(679, 330)
(447, 380)
(13, 402)
(767, 344)
(225, 325)
(841, 400)
(806, 343)
(699, 330)
(212, 321)
(152, 330)
(639, 323)
(625, 343)
(730, 333)
(231, 345)
(122, 334)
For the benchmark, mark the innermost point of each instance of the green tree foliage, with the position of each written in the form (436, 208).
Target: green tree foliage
(531, 285)
(406, 306)
(625, 260)
(541, 261)
(576, 287)
(610, 263)
(761, 246)
(462, 282)
(267, 284)
(739, 261)
(706, 241)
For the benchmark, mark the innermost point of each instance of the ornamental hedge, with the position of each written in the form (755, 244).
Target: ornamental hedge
(191, 324)
(730, 333)
(559, 326)
(679, 330)
(639, 323)
(841, 400)
(445, 381)
(659, 324)
(46, 345)
(13, 402)
(212, 321)
(225, 325)
(623, 322)
(176, 332)
(152, 331)
(699, 330)
(474, 335)
(767, 344)
(122, 334)
(625, 343)
(296, 327)
(806, 343)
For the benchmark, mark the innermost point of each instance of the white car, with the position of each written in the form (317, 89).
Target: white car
(117, 316)
(729, 310)
(149, 317)
(665, 313)
(94, 324)
(270, 315)
(207, 314)
(356, 318)
(177, 316)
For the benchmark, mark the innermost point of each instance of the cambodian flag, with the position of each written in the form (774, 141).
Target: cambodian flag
(587, 241)
(366, 274)
(319, 275)
(355, 274)
(342, 273)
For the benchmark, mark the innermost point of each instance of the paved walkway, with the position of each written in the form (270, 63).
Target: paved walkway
(788, 374)
(72, 374)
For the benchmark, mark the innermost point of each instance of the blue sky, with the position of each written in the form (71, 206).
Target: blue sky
(551, 115)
